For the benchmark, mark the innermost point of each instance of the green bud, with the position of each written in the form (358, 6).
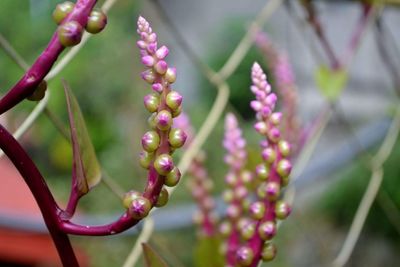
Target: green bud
(262, 172)
(151, 102)
(70, 33)
(284, 148)
(97, 21)
(268, 252)
(176, 137)
(139, 208)
(257, 210)
(173, 100)
(162, 198)
(284, 168)
(145, 159)
(62, 10)
(267, 230)
(177, 112)
(248, 231)
(163, 120)
(39, 92)
(150, 141)
(170, 75)
(269, 155)
(163, 164)
(129, 197)
(152, 121)
(173, 177)
(244, 256)
(282, 210)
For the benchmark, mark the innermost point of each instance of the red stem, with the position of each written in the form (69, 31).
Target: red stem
(256, 243)
(316, 24)
(31, 79)
(37, 185)
(358, 32)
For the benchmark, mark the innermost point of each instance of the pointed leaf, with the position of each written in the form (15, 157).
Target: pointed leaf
(331, 82)
(207, 252)
(86, 170)
(151, 257)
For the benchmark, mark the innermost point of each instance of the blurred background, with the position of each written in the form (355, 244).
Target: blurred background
(105, 78)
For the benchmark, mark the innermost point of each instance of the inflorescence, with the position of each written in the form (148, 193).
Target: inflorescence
(161, 141)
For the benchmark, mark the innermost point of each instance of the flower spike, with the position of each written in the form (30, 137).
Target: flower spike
(273, 174)
(200, 184)
(159, 142)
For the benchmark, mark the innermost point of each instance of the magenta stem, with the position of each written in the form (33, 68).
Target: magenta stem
(31, 79)
(256, 243)
(42, 195)
(358, 33)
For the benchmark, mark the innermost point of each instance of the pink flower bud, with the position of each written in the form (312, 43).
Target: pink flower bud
(161, 67)
(148, 61)
(157, 87)
(257, 210)
(267, 230)
(162, 52)
(261, 127)
(244, 256)
(148, 76)
(152, 47)
(170, 75)
(284, 168)
(163, 164)
(139, 208)
(163, 120)
(173, 100)
(256, 105)
(272, 191)
(141, 44)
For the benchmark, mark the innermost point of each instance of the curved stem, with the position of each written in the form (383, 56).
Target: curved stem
(31, 79)
(41, 193)
(72, 53)
(28, 122)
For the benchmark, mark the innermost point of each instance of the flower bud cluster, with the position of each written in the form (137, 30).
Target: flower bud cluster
(70, 32)
(273, 174)
(237, 226)
(200, 184)
(285, 85)
(161, 141)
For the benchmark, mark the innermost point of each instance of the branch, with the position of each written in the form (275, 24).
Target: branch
(41, 193)
(31, 79)
(74, 50)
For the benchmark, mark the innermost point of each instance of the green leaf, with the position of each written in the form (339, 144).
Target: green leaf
(86, 172)
(152, 259)
(207, 252)
(331, 82)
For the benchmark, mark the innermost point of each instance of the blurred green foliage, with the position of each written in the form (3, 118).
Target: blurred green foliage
(342, 199)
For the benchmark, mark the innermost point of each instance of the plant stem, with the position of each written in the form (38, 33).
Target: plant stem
(319, 31)
(31, 79)
(41, 193)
